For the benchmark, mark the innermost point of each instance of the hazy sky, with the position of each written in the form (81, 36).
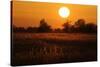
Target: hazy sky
(25, 14)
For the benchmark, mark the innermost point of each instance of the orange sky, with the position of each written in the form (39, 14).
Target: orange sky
(25, 14)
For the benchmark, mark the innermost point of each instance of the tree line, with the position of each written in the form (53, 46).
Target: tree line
(80, 26)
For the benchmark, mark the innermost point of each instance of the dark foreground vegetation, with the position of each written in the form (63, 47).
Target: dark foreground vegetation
(80, 26)
(44, 45)
(47, 48)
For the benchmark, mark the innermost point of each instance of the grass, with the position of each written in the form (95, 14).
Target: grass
(47, 48)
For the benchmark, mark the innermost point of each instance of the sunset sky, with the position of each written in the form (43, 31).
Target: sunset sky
(25, 14)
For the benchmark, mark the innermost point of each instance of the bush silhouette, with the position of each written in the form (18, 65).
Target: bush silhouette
(66, 26)
(44, 27)
(32, 29)
(80, 25)
(58, 30)
(91, 28)
(18, 29)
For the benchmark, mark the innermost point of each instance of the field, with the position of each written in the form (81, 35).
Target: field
(47, 48)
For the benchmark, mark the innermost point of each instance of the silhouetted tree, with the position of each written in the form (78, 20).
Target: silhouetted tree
(66, 26)
(18, 29)
(44, 27)
(58, 30)
(73, 28)
(21, 29)
(91, 28)
(32, 29)
(80, 25)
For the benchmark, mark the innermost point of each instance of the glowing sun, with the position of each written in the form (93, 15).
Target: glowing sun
(64, 12)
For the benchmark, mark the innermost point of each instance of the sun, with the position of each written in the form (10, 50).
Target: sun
(64, 12)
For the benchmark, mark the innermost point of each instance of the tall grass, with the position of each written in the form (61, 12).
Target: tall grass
(42, 48)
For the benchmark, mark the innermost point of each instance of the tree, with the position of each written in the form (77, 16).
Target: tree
(66, 26)
(57, 30)
(91, 28)
(32, 29)
(44, 27)
(80, 25)
(18, 29)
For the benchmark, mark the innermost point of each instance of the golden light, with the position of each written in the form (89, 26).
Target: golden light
(64, 12)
